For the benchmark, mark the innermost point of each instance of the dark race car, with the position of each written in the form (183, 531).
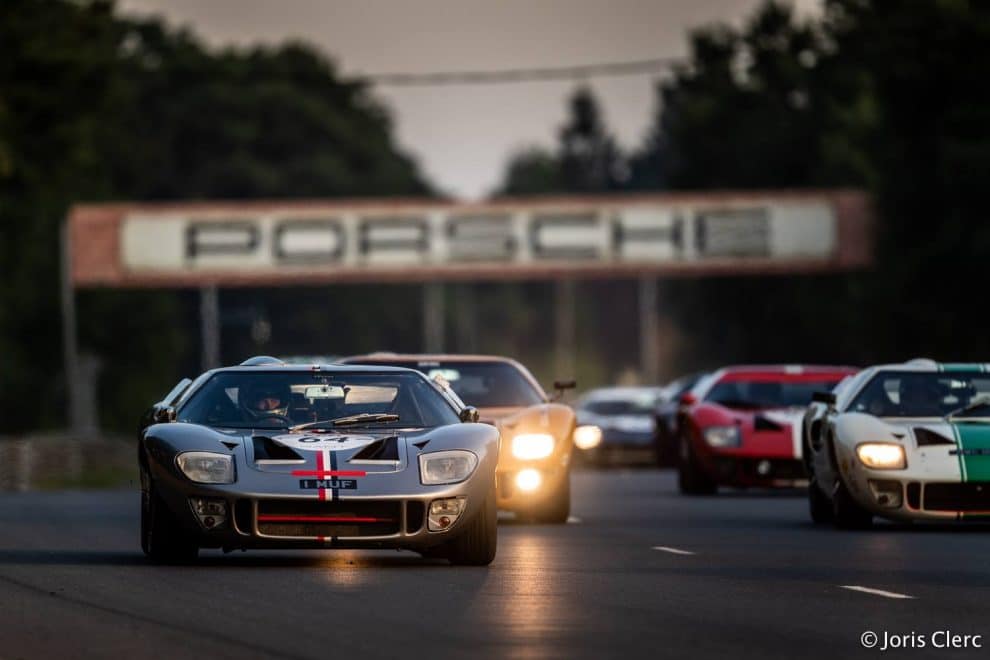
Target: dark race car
(667, 411)
(624, 418)
(267, 455)
(742, 426)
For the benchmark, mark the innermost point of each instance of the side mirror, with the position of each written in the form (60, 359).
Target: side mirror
(559, 386)
(164, 415)
(688, 399)
(469, 414)
(824, 397)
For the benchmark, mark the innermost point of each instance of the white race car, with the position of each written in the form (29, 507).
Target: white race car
(905, 441)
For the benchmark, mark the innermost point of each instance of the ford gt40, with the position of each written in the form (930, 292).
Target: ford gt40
(267, 455)
(903, 441)
(741, 426)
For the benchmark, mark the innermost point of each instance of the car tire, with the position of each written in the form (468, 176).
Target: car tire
(477, 544)
(162, 537)
(846, 512)
(819, 504)
(691, 479)
(558, 508)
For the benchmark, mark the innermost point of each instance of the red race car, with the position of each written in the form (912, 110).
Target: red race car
(741, 426)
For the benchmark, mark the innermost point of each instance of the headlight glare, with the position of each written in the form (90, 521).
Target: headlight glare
(588, 436)
(882, 455)
(722, 436)
(446, 467)
(532, 446)
(206, 467)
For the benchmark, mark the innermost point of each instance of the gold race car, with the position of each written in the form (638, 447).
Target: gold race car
(534, 465)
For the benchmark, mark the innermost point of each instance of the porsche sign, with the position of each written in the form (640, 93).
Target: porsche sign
(270, 243)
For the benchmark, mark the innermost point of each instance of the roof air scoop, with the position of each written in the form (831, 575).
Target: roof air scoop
(261, 361)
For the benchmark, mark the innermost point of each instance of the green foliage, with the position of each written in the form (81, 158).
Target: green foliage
(586, 160)
(94, 106)
(886, 95)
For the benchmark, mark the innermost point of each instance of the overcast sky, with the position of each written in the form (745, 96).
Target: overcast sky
(462, 136)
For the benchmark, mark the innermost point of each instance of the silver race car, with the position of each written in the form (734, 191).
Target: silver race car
(268, 455)
(902, 441)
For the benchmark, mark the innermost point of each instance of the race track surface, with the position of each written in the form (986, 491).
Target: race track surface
(739, 575)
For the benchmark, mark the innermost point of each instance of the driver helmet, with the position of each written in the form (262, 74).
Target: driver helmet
(263, 400)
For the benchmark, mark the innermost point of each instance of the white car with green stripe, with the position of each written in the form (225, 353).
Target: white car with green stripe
(902, 441)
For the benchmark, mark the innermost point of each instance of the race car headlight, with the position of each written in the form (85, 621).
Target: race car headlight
(882, 455)
(446, 467)
(588, 436)
(722, 436)
(205, 467)
(530, 446)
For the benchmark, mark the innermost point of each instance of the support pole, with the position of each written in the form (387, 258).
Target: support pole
(565, 325)
(649, 331)
(70, 345)
(466, 319)
(209, 326)
(433, 317)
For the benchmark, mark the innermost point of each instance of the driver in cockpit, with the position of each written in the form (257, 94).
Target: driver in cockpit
(263, 401)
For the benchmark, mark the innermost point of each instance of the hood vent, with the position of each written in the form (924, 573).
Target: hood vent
(928, 437)
(761, 423)
(386, 449)
(266, 449)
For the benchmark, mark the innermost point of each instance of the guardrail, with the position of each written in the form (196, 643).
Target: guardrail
(66, 461)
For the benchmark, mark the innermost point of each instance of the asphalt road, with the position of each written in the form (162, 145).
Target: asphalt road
(760, 581)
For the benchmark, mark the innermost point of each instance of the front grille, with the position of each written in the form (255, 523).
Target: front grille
(973, 496)
(914, 495)
(312, 518)
(415, 513)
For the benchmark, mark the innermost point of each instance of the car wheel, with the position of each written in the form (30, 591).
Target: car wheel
(478, 542)
(162, 538)
(819, 505)
(558, 508)
(691, 479)
(846, 512)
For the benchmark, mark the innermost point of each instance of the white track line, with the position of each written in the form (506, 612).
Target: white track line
(573, 520)
(876, 592)
(673, 551)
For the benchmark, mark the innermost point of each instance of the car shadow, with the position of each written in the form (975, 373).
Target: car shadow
(210, 559)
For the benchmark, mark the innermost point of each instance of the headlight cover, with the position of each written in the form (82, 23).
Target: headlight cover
(446, 467)
(882, 455)
(722, 436)
(532, 446)
(206, 467)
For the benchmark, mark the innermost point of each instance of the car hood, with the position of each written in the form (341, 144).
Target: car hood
(373, 450)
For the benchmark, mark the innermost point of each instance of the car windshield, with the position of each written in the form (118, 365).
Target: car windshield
(480, 384)
(763, 393)
(923, 394)
(240, 399)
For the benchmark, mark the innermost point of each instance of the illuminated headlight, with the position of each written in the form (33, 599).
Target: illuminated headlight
(531, 446)
(587, 437)
(205, 467)
(882, 456)
(446, 467)
(528, 480)
(722, 436)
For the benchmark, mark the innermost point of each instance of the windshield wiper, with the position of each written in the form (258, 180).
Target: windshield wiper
(350, 420)
(981, 401)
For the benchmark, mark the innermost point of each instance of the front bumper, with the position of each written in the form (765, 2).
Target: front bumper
(747, 471)
(907, 497)
(270, 520)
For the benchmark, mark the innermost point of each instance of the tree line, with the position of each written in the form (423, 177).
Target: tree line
(887, 95)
